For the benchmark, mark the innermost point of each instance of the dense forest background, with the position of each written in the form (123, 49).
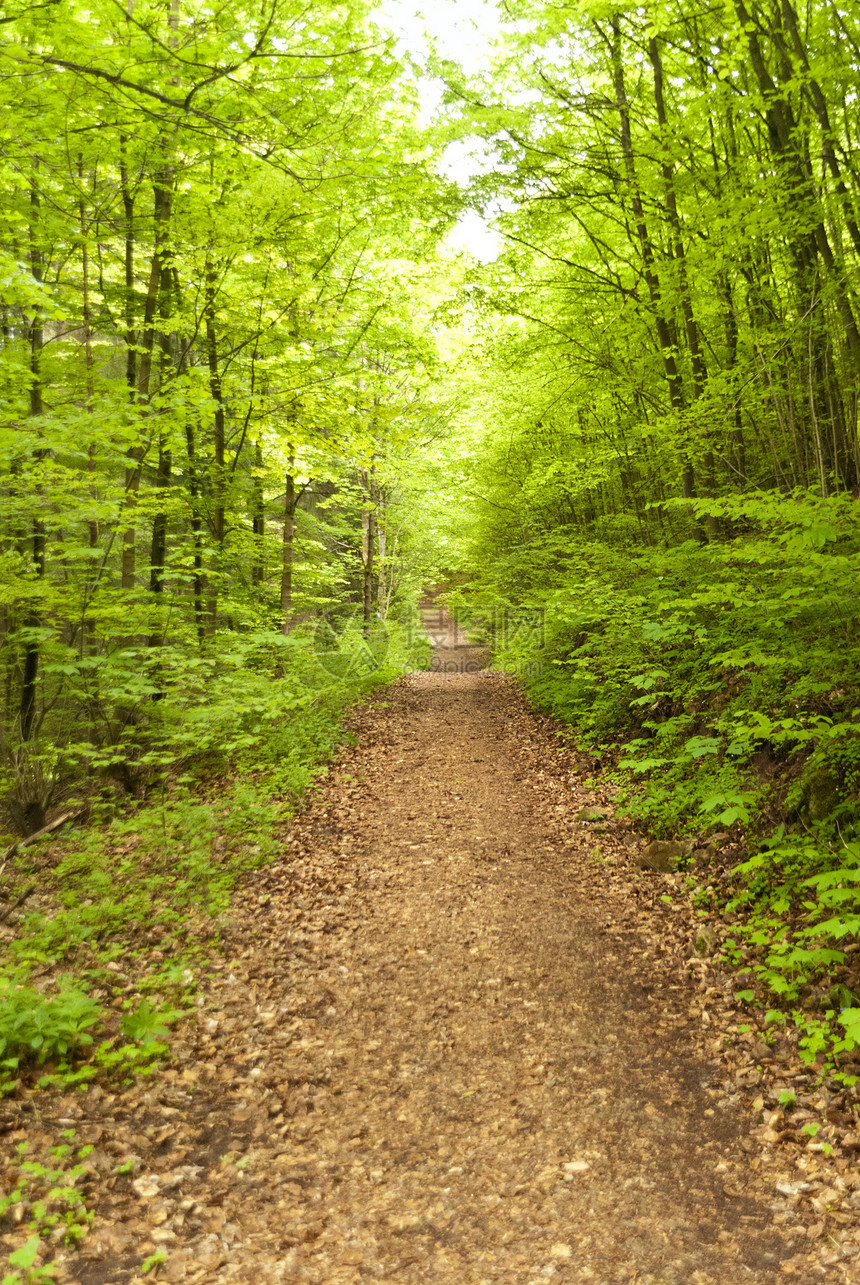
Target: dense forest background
(253, 400)
(663, 449)
(216, 301)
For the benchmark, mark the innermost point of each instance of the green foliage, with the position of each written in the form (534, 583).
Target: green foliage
(688, 648)
(25, 1258)
(661, 455)
(159, 873)
(56, 1207)
(802, 905)
(36, 1027)
(146, 1026)
(152, 1261)
(214, 375)
(720, 685)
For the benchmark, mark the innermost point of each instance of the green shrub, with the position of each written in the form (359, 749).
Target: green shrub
(720, 684)
(33, 1027)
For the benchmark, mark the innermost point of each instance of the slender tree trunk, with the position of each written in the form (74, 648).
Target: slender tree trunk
(198, 578)
(258, 565)
(218, 435)
(169, 363)
(697, 360)
(88, 345)
(163, 201)
(287, 549)
(87, 634)
(737, 450)
(158, 550)
(368, 539)
(159, 523)
(665, 338)
(32, 621)
(128, 302)
(382, 570)
(691, 329)
(218, 398)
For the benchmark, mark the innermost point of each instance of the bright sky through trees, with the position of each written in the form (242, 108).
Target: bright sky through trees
(462, 30)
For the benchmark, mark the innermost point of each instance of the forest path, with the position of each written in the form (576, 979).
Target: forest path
(453, 652)
(429, 1061)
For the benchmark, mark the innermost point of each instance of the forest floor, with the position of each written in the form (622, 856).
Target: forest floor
(456, 1040)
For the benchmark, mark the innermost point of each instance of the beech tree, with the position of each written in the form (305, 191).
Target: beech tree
(197, 210)
(682, 235)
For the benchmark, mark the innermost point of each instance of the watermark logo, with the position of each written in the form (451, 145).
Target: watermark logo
(506, 628)
(347, 648)
(513, 635)
(522, 628)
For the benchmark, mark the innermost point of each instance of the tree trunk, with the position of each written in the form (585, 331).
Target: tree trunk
(218, 437)
(88, 345)
(287, 554)
(218, 398)
(128, 303)
(32, 621)
(258, 565)
(381, 570)
(691, 329)
(168, 301)
(193, 482)
(162, 201)
(159, 522)
(697, 360)
(665, 338)
(368, 540)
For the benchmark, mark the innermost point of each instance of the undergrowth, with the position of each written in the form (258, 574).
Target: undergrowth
(144, 886)
(718, 685)
(133, 904)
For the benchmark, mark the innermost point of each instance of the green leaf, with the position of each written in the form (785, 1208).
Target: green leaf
(25, 1255)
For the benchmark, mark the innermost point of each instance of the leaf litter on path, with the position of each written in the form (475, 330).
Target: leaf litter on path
(450, 1043)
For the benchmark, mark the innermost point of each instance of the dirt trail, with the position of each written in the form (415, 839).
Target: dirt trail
(505, 1113)
(453, 652)
(426, 1061)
